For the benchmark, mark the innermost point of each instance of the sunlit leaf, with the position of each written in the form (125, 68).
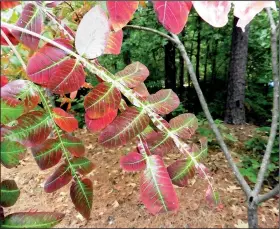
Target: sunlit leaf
(9, 193)
(31, 19)
(32, 220)
(164, 101)
(32, 128)
(247, 10)
(184, 125)
(68, 77)
(42, 64)
(61, 177)
(11, 153)
(173, 15)
(213, 12)
(81, 193)
(124, 128)
(102, 99)
(10, 36)
(96, 125)
(133, 75)
(92, 33)
(65, 120)
(4, 5)
(114, 43)
(82, 165)
(156, 190)
(132, 162)
(141, 90)
(121, 12)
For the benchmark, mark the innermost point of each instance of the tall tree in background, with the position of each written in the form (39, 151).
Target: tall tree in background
(170, 66)
(235, 109)
(198, 47)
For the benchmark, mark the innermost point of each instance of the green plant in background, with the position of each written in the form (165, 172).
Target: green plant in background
(251, 162)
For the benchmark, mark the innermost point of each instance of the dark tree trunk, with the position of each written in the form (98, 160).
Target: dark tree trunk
(252, 213)
(198, 48)
(205, 63)
(170, 66)
(235, 109)
(214, 63)
(182, 72)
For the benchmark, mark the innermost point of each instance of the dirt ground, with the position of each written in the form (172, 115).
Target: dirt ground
(116, 194)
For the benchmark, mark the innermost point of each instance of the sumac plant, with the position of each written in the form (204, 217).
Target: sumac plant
(119, 108)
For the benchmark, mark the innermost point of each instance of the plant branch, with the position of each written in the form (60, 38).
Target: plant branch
(275, 109)
(204, 105)
(268, 195)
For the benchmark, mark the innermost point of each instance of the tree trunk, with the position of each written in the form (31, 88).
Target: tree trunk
(170, 67)
(205, 63)
(182, 72)
(198, 48)
(235, 109)
(252, 213)
(214, 67)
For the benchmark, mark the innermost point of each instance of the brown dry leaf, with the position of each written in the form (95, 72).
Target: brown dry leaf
(115, 204)
(274, 210)
(232, 188)
(241, 224)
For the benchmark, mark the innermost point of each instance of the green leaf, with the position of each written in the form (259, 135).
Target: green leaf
(9, 193)
(11, 153)
(10, 110)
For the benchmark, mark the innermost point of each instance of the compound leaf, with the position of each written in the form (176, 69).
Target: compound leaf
(64, 120)
(11, 153)
(132, 162)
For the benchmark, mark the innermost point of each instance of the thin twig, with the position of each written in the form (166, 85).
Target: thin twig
(275, 109)
(268, 195)
(203, 103)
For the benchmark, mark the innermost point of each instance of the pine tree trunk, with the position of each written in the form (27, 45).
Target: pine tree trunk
(170, 67)
(235, 109)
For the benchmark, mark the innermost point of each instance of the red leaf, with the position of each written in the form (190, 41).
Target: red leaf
(212, 197)
(82, 195)
(133, 74)
(4, 81)
(202, 170)
(47, 154)
(156, 190)
(96, 125)
(31, 19)
(173, 15)
(246, 11)
(4, 5)
(164, 101)
(74, 145)
(64, 120)
(141, 90)
(68, 77)
(101, 100)
(82, 165)
(61, 177)
(121, 12)
(42, 64)
(132, 162)
(10, 36)
(124, 128)
(213, 12)
(143, 147)
(114, 43)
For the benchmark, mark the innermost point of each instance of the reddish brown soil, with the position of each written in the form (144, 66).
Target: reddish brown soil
(116, 195)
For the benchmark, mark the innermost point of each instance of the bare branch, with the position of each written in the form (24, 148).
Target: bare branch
(268, 195)
(275, 109)
(204, 105)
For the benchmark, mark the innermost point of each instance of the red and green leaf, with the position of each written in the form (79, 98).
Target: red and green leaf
(31, 19)
(32, 128)
(11, 153)
(9, 193)
(32, 220)
(90, 41)
(163, 102)
(41, 66)
(81, 193)
(96, 125)
(103, 98)
(82, 165)
(74, 145)
(64, 120)
(133, 75)
(121, 12)
(213, 12)
(173, 15)
(11, 109)
(61, 177)
(184, 125)
(156, 190)
(132, 162)
(68, 77)
(212, 197)
(114, 43)
(124, 128)
(10, 36)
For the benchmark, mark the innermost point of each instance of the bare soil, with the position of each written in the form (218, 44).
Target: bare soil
(116, 194)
